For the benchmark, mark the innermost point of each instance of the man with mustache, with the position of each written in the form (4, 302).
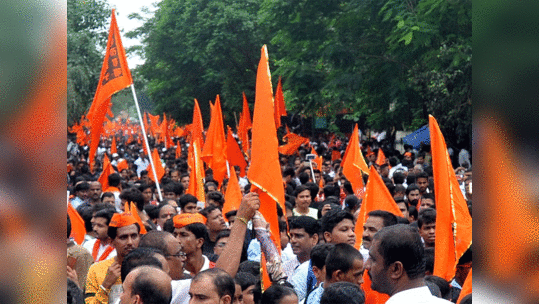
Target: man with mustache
(104, 284)
(376, 220)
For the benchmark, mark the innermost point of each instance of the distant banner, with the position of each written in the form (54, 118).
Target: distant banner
(421, 135)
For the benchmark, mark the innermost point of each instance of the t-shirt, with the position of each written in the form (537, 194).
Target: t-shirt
(419, 295)
(96, 276)
(312, 213)
(180, 291)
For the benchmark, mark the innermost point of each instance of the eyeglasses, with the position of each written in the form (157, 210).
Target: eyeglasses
(180, 254)
(220, 244)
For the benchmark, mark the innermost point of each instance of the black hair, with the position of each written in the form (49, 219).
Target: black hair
(300, 189)
(113, 231)
(412, 211)
(319, 254)
(246, 280)
(411, 187)
(333, 218)
(289, 172)
(426, 216)
(276, 293)
(145, 186)
(398, 178)
(283, 227)
(251, 267)
(82, 187)
(68, 226)
(348, 186)
(133, 195)
(309, 224)
(351, 203)
(199, 230)
(442, 284)
(206, 211)
(422, 175)
(410, 179)
(186, 199)
(149, 292)
(230, 214)
(140, 257)
(106, 194)
(114, 179)
(303, 178)
(153, 211)
(74, 293)
(313, 188)
(402, 220)
(168, 226)
(402, 243)
(329, 201)
(429, 259)
(222, 234)
(342, 292)
(388, 217)
(216, 196)
(208, 183)
(223, 282)
(341, 257)
(332, 190)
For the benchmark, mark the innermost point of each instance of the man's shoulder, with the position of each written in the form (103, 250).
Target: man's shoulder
(100, 266)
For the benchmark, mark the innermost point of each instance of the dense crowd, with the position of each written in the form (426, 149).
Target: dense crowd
(181, 250)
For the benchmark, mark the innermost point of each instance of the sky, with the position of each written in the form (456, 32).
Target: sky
(123, 9)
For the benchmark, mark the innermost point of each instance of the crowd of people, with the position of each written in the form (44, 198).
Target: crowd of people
(180, 250)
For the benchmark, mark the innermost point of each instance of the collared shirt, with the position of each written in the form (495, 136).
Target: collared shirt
(299, 279)
(419, 295)
(314, 297)
(180, 291)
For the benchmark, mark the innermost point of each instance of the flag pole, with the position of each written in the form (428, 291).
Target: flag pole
(146, 142)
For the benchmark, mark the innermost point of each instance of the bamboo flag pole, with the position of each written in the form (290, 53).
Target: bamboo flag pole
(146, 142)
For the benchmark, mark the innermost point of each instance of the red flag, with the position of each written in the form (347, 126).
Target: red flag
(265, 171)
(77, 224)
(354, 163)
(115, 76)
(244, 126)
(279, 108)
(233, 194)
(233, 153)
(466, 287)
(214, 152)
(159, 170)
(196, 182)
(294, 141)
(377, 197)
(453, 220)
(107, 170)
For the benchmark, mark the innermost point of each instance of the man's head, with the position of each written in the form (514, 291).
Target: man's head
(303, 236)
(171, 248)
(146, 284)
(344, 263)
(95, 191)
(231, 217)
(338, 227)
(166, 212)
(188, 203)
(184, 180)
(108, 198)
(395, 259)
(100, 223)
(403, 206)
(210, 185)
(173, 190)
(412, 194)
(422, 181)
(250, 287)
(175, 175)
(215, 198)
(147, 192)
(426, 222)
(114, 179)
(133, 195)
(212, 286)
(220, 241)
(318, 260)
(427, 201)
(190, 230)
(214, 218)
(343, 292)
(375, 221)
(124, 232)
(141, 257)
(303, 197)
(81, 190)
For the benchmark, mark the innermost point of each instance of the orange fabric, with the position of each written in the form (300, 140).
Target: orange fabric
(244, 126)
(371, 296)
(196, 182)
(466, 287)
(119, 220)
(214, 151)
(115, 76)
(369, 151)
(184, 219)
(354, 163)
(154, 125)
(233, 194)
(453, 221)
(318, 160)
(381, 158)
(107, 170)
(265, 169)
(197, 127)
(377, 197)
(294, 141)
(233, 153)
(113, 148)
(159, 170)
(77, 224)
(266, 281)
(122, 165)
(335, 154)
(279, 108)
(133, 209)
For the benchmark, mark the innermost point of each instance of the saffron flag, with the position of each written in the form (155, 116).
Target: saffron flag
(107, 170)
(122, 165)
(279, 107)
(377, 197)
(115, 76)
(381, 158)
(196, 178)
(113, 148)
(233, 153)
(233, 194)
(159, 170)
(214, 151)
(453, 220)
(265, 170)
(133, 209)
(466, 287)
(77, 224)
(354, 163)
(244, 126)
(294, 141)
(372, 296)
(197, 127)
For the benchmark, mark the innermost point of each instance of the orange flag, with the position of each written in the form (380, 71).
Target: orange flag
(196, 182)
(77, 224)
(279, 107)
(377, 197)
(154, 125)
(354, 163)
(381, 158)
(294, 141)
(107, 170)
(115, 76)
(244, 126)
(133, 209)
(453, 220)
(159, 170)
(122, 165)
(197, 127)
(265, 170)
(233, 153)
(233, 194)
(318, 160)
(372, 296)
(214, 151)
(466, 287)
(113, 148)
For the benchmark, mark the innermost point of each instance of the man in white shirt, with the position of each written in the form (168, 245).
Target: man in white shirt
(400, 278)
(142, 162)
(101, 247)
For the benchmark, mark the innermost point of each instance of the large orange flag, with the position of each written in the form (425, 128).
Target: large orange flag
(233, 194)
(159, 170)
(279, 107)
(294, 141)
(77, 224)
(107, 170)
(466, 287)
(265, 170)
(196, 178)
(197, 127)
(233, 153)
(377, 197)
(132, 208)
(453, 220)
(354, 163)
(244, 126)
(214, 151)
(115, 76)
